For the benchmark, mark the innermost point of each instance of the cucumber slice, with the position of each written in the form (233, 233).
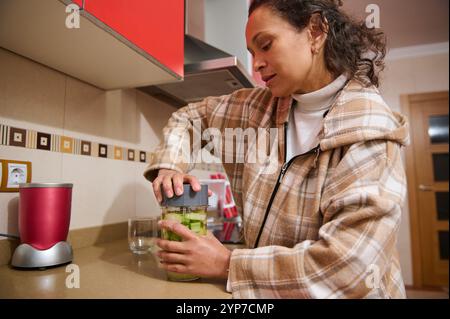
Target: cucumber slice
(196, 227)
(195, 221)
(185, 221)
(196, 216)
(174, 216)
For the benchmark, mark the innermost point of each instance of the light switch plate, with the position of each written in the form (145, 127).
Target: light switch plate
(12, 173)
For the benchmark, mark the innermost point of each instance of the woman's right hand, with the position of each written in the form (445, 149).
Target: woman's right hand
(172, 183)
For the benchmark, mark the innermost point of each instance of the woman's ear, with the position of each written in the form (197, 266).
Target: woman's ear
(317, 31)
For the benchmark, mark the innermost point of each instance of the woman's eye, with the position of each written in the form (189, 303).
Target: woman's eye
(266, 46)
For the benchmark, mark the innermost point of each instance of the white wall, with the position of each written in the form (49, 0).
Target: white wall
(409, 71)
(35, 97)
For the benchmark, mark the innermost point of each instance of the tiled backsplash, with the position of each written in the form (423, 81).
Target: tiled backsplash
(100, 141)
(14, 136)
(74, 132)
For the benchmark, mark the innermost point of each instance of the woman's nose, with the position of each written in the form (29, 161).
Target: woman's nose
(258, 63)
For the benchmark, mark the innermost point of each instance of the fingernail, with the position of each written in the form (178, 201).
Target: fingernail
(169, 194)
(179, 191)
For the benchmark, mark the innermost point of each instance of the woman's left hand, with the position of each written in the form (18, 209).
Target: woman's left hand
(204, 256)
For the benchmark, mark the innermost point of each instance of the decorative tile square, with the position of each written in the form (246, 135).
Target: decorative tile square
(17, 137)
(66, 144)
(131, 155)
(103, 150)
(142, 157)
(118, 153)
(85, 148)
(43, 141)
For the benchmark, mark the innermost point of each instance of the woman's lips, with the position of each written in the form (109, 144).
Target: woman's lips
(268, 78)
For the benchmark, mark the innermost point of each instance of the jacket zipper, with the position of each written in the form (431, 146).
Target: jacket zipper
(284, 168)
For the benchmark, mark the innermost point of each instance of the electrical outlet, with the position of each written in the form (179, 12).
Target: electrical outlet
(13, 173)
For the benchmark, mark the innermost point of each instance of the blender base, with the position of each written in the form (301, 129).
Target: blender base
(26, 256)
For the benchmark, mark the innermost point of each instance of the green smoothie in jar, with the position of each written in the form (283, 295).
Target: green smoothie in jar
(190, 210)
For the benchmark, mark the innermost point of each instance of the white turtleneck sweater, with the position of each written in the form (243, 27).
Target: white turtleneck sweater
(306, 117)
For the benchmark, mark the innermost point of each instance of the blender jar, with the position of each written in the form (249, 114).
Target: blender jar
(189, 209)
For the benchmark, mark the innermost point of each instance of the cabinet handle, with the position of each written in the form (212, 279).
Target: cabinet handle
(425, 188)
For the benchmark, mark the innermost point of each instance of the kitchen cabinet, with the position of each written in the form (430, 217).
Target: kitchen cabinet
(154, 26)
(118, 43)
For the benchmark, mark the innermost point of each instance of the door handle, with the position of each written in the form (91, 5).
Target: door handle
(425, 188)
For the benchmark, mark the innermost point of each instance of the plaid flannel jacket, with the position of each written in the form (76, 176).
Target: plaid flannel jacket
(327, 226)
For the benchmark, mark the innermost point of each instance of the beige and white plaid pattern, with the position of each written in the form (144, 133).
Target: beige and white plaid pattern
(335, 217)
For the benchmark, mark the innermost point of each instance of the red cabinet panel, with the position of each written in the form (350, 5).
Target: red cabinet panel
(79, 2)
(155, 26)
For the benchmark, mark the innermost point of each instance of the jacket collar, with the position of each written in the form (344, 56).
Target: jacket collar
(284, 104)
(347, 119)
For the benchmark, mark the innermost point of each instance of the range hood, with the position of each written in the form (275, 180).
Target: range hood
(208, 71)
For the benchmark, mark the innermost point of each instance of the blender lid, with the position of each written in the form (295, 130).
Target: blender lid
(188, 198)
(44, 185)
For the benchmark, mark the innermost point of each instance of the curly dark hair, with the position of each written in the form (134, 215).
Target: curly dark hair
(351, 47)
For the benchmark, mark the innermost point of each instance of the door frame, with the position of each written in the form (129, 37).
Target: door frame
(406, 101)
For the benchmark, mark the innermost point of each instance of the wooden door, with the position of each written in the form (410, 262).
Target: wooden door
(427, 170)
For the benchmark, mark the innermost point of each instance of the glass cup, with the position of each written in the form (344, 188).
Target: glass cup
(142, 233)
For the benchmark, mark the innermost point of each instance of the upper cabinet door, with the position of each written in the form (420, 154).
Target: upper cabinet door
(155, 26)
(114, 44)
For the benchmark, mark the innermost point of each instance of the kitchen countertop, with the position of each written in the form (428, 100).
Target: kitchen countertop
(107, 270)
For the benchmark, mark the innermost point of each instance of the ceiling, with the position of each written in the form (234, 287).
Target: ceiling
(407, 22)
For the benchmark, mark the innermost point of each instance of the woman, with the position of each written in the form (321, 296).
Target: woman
(324, 224)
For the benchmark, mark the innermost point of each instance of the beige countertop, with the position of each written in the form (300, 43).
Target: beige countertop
(108, 270)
